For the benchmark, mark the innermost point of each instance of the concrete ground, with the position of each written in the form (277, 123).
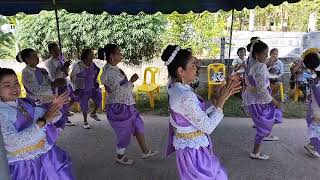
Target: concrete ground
(93, 152)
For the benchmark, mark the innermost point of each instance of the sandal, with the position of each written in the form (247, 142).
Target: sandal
(69, 123)
(311, 150)
(149, 154)
(86, 126)
(124, 160)
(95, 117)
(259, 156)
(271, 138)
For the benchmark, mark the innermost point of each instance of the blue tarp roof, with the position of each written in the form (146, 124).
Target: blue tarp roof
(11, 7)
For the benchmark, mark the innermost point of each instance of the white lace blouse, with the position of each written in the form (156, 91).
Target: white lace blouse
(257, 84)
(24, 144)
(184, 101)
(54, 68)
(119, 87)
(42, 93)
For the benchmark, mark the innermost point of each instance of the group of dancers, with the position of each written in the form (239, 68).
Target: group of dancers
(30, 126)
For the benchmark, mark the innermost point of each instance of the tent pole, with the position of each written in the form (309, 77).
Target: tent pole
(230, 39)
(4, 168)
(57, 21)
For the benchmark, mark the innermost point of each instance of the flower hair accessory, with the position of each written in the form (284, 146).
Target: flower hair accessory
(173, 55)
(310, 51)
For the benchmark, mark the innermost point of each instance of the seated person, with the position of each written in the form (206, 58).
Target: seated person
(276, 70)
(239, 62)
(300, 76)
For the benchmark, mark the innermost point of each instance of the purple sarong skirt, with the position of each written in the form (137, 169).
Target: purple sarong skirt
(264, 117)
(199, 164)
(125, 121)
(53, 165)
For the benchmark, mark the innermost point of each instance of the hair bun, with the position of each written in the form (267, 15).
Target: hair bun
(101, 54)
(19, 58)
(167, 52)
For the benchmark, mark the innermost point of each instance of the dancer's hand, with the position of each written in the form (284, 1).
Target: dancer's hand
(52, 113)
(223, 93)
(134, 78)
(60, 100)
(55, 107)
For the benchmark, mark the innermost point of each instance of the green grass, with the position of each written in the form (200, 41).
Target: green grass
(231, 108)
(160, 106)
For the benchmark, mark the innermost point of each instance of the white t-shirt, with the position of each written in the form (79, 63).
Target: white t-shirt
(237, 61)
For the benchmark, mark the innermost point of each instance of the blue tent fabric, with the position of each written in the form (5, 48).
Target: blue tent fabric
(11, 7)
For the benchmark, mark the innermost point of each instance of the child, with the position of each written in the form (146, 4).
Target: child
(84, 77)
(29, 151)
(312, 62)
(265, 111)
(239, 62)
(121, 112)
(301, 77)
(58, 69)
(191, 119)
(276, 70)
(36, 81)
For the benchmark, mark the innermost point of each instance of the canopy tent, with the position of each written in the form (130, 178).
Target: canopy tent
(12, 7)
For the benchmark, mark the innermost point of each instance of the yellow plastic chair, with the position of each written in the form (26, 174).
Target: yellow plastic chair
(297, 93)
(23, 93)
(150, 88)
(281, 91)
(213, 69)
(103, 92)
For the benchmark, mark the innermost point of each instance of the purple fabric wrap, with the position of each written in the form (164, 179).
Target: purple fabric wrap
(199, 164)
(315, 89)
(23, 122)
(91, 89)
(181, 121)
(264, 117)
(53, 165)
(195, 163)
(125, 121)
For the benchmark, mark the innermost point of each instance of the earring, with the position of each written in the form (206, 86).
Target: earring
(183, 81)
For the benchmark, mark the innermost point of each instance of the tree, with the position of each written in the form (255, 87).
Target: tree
(7, 42)
(138, 36)
(196, 31)
(285, 17)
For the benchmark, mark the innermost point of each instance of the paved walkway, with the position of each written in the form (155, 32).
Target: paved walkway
(93, 152)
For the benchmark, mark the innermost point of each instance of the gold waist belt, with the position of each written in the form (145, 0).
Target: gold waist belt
(191, 135)
(27, 149)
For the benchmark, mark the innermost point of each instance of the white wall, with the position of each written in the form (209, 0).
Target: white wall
(290, 44)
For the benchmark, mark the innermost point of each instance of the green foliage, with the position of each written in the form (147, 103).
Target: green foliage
(142, 36)
(138, 36)
(197, 31)
(7, 42)
(295, 16)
